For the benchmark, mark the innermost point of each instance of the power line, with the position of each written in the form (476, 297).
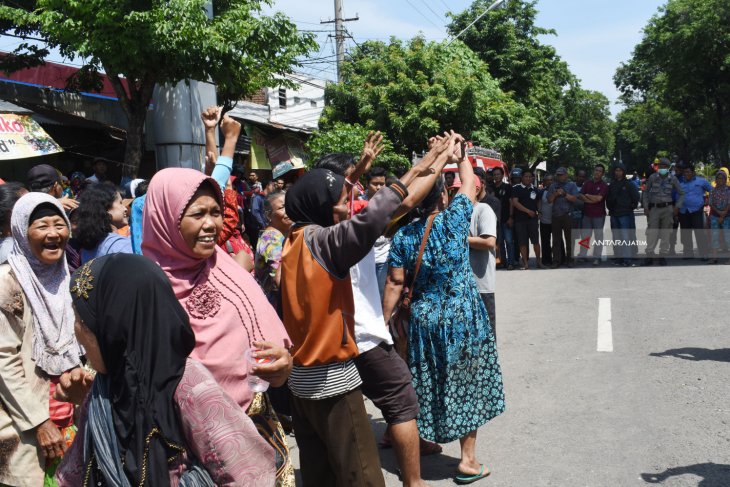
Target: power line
(423, 15)
(438, 16)
(448, 9)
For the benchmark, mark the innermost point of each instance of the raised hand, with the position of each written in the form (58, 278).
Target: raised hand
(211, 116)
(231, 128)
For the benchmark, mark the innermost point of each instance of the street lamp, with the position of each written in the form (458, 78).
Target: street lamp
(491, 7)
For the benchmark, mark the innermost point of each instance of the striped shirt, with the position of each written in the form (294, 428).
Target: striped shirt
(323, 381)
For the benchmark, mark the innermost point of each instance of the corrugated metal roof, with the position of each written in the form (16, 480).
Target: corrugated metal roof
(7, 107)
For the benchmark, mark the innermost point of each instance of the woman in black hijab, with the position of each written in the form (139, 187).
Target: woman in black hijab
(142, 420)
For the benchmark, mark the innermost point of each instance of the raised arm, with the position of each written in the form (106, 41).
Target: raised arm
(466, 174)
(224, 165)
(211, 116)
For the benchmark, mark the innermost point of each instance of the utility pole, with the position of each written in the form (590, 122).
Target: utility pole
(339, 35)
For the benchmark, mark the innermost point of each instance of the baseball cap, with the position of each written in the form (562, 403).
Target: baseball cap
(561, 170)
(664, 162)
(516, 173)
(42, 176)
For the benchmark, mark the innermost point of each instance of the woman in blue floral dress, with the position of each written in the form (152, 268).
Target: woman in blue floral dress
(451, 347)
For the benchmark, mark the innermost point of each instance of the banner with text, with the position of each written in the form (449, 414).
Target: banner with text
(21, 137)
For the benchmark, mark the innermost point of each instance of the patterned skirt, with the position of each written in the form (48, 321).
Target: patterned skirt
(264, 417)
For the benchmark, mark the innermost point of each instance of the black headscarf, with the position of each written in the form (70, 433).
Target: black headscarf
(144, 337)
(313, 196)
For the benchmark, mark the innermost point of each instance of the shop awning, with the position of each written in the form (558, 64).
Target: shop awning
(22, 137)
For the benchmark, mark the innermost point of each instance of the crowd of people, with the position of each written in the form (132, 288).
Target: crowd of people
(174, 330)
(557, 213)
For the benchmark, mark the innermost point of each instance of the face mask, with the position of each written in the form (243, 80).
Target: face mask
(663, 172)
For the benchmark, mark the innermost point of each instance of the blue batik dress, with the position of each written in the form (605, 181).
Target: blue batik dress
(451, 347)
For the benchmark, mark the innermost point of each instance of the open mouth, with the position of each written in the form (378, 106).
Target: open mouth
(206, 240)
(51, 246)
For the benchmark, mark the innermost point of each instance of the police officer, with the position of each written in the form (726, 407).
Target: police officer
(660, 210)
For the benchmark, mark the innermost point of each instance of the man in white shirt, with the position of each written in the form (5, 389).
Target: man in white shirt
(482, 252)
(386, 379)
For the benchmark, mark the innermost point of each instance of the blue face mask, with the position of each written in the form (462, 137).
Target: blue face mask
(663, 172)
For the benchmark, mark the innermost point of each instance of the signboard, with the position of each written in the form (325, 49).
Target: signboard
(21, 137)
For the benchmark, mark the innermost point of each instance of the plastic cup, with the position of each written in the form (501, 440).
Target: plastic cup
(256, 383)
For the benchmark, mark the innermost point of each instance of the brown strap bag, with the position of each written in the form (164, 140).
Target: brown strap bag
(398, 322)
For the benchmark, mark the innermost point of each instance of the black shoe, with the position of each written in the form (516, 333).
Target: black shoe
(647, 262)
(662, 261)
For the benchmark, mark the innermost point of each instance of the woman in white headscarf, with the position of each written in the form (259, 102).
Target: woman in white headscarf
(37, 343)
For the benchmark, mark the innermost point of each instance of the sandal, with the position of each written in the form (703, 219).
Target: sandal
(463, 479)
(429, 448)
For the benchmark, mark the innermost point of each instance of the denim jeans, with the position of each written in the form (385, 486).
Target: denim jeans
(718, 229)
(381, 271)
(624, 228)
(507, 245)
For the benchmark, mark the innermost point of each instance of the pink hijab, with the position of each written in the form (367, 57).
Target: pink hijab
(227, 308)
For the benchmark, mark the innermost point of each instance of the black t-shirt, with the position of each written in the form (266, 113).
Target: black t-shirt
(527, 197)
(503, 192)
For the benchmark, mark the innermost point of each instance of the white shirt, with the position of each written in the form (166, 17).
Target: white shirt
(382, 249)
(370, 329)
(483, 262)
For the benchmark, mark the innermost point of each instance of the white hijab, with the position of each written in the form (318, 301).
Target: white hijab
(46, 287)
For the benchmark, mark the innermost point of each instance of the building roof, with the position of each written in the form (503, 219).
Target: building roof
(7, 107)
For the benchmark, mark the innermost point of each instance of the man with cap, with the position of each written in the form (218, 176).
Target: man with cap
(661, 210)
(562, 194)
(45, 179)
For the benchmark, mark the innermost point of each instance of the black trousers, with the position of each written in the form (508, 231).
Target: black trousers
(546, 248)
(693, 223)
(563, 232)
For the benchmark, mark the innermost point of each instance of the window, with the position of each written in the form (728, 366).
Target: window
(313, 103)
(297, 100)
(282, 97)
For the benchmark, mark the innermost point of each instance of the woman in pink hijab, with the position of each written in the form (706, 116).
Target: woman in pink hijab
(183, 216)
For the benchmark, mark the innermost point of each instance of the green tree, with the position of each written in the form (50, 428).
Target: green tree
(682, 65)
(507, 40)
(646, 129)
(585, 135)
(141, 43)
(412, 90)
(344, 137)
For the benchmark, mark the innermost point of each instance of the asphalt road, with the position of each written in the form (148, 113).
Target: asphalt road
(654, 411)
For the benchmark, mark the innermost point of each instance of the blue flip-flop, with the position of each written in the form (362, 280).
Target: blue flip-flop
(462, 479)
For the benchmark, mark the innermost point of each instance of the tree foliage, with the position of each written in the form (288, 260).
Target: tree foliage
(680, 72)
(148, 42)
(573, 126)
(415, 89)
(344, 137)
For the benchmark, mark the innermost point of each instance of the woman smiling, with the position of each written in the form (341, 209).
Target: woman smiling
(37, 343)
(228, 311)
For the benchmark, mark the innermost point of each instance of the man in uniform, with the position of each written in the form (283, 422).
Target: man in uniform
(660, 210)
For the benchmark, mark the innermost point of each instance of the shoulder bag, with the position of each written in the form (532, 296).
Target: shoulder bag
(398, 322)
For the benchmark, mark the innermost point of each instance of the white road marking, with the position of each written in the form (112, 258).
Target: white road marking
(605, 333)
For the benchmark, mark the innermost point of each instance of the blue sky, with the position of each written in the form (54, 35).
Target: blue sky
(594, 36)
